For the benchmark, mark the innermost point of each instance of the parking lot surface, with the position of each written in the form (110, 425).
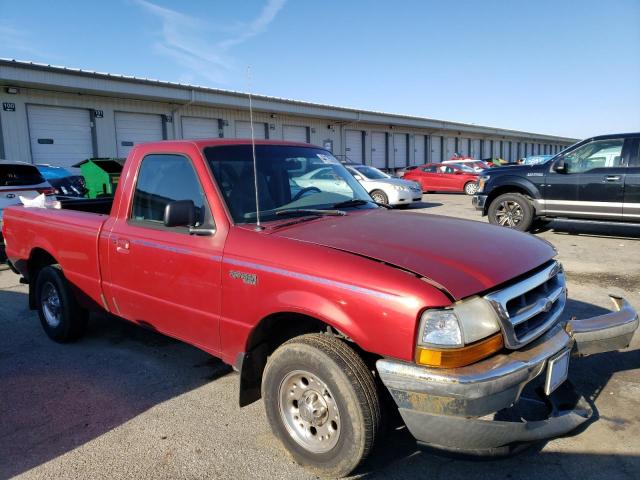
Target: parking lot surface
(128, 403)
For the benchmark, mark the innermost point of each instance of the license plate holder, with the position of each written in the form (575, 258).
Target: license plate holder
(557, 371)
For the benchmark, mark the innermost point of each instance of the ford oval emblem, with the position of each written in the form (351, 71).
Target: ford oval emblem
(547, 306)
(11, 195)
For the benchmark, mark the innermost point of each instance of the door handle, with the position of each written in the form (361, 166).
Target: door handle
(122, 245)
(612, 178)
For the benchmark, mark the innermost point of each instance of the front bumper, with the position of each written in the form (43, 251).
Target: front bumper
(403, 197)
(462, 408)
(478, 201)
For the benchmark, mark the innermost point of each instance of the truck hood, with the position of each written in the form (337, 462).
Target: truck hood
(462, 257)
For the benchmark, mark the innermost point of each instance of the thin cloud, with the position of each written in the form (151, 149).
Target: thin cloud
(18, 40)
(197, 47)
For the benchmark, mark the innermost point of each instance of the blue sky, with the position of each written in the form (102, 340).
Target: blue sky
(561, 67)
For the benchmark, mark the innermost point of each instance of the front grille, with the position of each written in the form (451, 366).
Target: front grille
(531, 306)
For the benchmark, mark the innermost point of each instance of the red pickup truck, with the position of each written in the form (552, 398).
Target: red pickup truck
(326, 303)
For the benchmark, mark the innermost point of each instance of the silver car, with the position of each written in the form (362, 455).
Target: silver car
(386, 189)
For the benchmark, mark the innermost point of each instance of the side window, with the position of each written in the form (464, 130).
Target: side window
(163, 179)
(431, 169)
(598, 154)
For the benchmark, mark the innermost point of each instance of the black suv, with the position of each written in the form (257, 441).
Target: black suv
(595, 179)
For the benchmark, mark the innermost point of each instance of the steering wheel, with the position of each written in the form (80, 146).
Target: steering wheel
(298, 195)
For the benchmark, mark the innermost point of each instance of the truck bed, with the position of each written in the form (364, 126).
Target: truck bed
(70, 235)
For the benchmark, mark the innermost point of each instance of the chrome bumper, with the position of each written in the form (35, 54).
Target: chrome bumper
(442, 407)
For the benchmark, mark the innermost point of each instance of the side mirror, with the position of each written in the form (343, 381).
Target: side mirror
(458, 172)
(560, 166)
(181, 213)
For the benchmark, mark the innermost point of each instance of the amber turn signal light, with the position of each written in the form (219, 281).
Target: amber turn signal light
(459, 357)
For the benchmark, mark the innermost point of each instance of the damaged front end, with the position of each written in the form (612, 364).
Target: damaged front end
(514, 397)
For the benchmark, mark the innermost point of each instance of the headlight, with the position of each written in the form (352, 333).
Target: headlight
(440, 327)
(481, 182)
(458, 336)
(400, 188)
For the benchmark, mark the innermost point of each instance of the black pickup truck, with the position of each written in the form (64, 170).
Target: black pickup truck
(595, 179)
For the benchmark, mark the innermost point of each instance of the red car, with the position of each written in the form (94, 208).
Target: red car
(323, 301)
(437, 177)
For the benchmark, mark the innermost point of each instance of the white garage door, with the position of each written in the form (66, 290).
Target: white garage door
(496, 149)
(399, 150)
(378, 147)
(294, 133)
(450, 148)
(196, 127)
(506, 150)
(418, 150)
(463, 146)
(475, 149)
(353, 146)
(486, 149)
(436, 149)
(135, 128)
(59, 136)
(243, 130)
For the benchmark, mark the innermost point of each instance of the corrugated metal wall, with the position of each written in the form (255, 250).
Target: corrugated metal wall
(15, 130)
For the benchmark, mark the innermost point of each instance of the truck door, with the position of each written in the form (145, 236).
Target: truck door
(591, 184)
(631, 204)
(164, 277)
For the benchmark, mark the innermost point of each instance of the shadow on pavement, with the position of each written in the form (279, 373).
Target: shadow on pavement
(622, 231)
(54, 398)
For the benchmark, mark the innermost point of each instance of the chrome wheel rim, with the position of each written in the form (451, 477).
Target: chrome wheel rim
(471, 188)
(378, 198)
(51, 305)
(309, 411)
(509, 213)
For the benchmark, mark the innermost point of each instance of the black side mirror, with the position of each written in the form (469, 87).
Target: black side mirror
(181, 213)
(560, 166)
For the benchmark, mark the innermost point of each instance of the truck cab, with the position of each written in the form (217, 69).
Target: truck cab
(595, 179)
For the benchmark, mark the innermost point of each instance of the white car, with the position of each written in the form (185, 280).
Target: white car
(475, 165)
(386, 189)
(19, 179)
(326, 180)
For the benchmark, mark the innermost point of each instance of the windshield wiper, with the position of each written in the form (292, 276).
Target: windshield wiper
(356, 202)
(310, 211)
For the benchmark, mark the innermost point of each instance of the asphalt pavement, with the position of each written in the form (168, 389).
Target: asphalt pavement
(129, 403)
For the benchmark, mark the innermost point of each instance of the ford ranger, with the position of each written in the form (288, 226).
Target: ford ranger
(332, 308)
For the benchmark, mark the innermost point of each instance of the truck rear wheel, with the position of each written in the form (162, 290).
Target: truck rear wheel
(511, 210)
(60, 315)
(322, 403)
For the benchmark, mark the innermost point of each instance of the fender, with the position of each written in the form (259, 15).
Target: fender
(500, 184)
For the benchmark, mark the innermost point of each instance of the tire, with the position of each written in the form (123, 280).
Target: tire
(339, 400)
(511, 210)
(470, 188)
(379, 196)
(60, 315)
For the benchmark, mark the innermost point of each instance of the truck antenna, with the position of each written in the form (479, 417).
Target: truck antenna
(253, 153)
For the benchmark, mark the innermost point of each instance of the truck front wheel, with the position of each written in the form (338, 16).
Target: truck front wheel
(322, 403)
(60, 315)
(511, 210)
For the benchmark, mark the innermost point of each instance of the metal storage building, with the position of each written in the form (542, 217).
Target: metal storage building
(60, 116)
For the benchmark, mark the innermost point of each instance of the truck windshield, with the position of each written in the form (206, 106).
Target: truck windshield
(289, 178)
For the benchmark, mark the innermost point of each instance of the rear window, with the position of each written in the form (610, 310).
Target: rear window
(19, 175)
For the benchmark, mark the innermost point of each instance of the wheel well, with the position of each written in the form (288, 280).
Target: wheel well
(502, 190)
(271, 332)
(38, 259)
